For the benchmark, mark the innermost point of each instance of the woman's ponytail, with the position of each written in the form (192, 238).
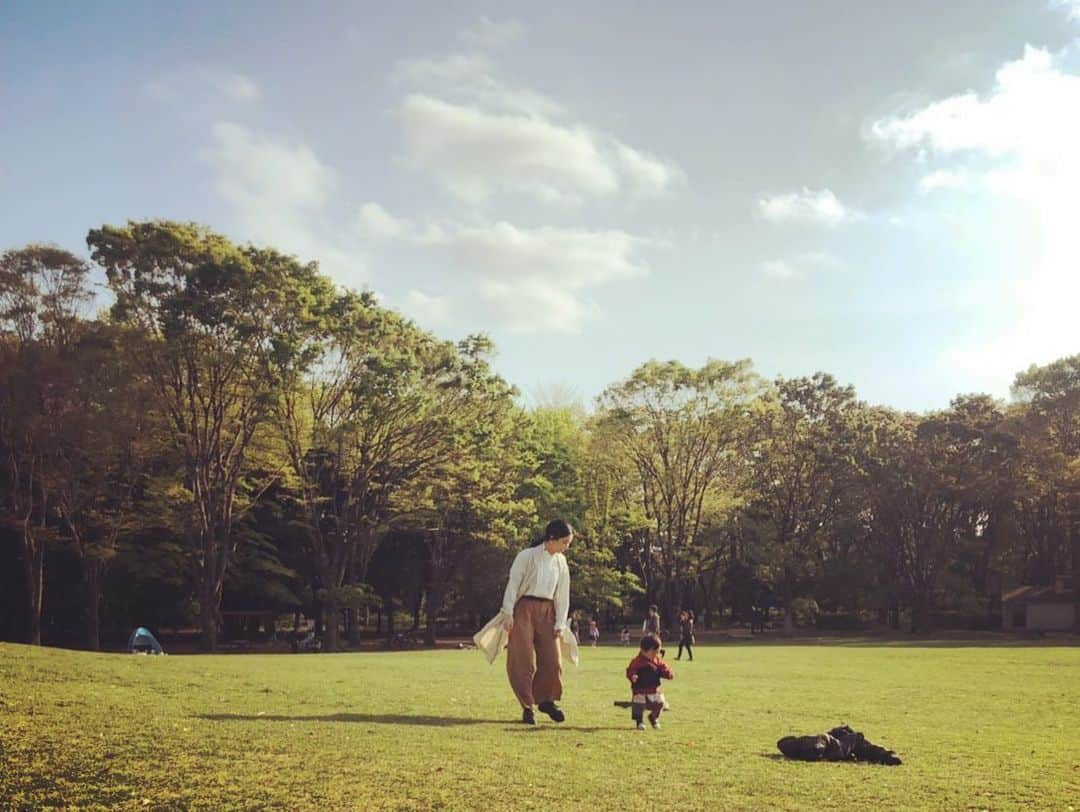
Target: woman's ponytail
(556, 529)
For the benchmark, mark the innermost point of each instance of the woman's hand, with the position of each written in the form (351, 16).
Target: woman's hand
(508, 623)
(558, 631)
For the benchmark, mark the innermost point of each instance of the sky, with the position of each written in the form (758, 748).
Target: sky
(882, 191)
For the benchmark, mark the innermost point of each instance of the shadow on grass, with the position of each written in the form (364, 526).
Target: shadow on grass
(553, 728)
(398, 719)
(369, 718)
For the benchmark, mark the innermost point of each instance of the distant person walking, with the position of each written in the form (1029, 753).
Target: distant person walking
(686, 633)
(594, 631)
(535, 606)
(651, 624)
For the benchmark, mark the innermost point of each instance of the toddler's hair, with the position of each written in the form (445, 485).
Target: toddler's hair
(650, 642)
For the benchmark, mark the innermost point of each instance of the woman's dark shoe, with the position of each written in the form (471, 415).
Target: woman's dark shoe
(527, 716)
(552, 710)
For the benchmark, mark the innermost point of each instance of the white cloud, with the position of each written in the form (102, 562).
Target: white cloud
(455, 69)
(481, 135)
(801, 266)
(471, 78)
(533, 306)
(536, 279)
(428, 311)
(254, 167)
(205, 84)
(779, 269)
(807, 206)
(477, 154)
(377, 222)
(821, 260)
(488, 33)
(1027, 128)
(571, 257)
(944, 179)
(1072, 8)
(278, 193)
(237, 87)
(648, 174)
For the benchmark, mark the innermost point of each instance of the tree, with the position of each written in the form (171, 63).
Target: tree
(371, 415)
(212, 317)
(803, 469)
(103, 438)
(472, 494)
(42, 293)
(683, 430)
(937, 483)
(1053, 395)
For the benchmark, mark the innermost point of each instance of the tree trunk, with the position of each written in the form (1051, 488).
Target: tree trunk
(388, 610)
(789, 621)
(789, 607)
(208, 612)
(352, 614)
(418, 604)
(93, 569)
(1076, 577)
(332, 622)
(920, 613)
(34, 573)
(706, 610)
(434, 601)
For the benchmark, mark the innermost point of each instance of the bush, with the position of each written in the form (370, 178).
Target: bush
(965, 621)
(806, 611)
(839, 621)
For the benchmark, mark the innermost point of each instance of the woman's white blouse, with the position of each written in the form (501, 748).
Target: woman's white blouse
(537, 572)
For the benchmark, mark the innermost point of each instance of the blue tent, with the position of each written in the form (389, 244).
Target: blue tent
(143, 642)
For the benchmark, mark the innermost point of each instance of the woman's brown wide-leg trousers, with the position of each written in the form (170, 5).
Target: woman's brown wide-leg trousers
(533, 658)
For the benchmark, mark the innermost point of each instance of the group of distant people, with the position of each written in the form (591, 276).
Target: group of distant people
(650, 625)
(534, 617)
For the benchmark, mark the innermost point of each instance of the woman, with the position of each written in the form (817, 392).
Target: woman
(686, 633)
(535, 605)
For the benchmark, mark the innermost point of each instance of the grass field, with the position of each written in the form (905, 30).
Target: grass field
(978, 727)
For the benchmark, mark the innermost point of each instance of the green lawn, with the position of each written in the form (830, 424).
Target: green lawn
(977, 727)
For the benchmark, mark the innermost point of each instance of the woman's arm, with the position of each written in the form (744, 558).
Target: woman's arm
(562, 596)
(517, 573)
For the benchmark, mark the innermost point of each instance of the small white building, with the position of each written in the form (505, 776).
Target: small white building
(1040, 608)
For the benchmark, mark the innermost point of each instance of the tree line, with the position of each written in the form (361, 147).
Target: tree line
(236, 432)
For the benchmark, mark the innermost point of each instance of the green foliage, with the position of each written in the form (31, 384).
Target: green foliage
(216, 321)
(683, 431)
(236, 416)
(803, 471)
